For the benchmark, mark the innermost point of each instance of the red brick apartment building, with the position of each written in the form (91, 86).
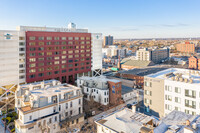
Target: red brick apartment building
(186, 47)
(194, 62)
(57, 55)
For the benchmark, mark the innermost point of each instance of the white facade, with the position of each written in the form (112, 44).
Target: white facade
(181, 90)
(143, 54)
(175, 97)
(95, 88)
(97, 41)
(110, 51)
(12, 57)
(43, 106)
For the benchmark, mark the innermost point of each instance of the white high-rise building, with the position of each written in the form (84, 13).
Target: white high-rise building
(97, 41)
(12, 57)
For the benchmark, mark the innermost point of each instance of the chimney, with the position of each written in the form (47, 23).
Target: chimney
(54, 82)
(30, 87)
(133, 108)
(187, 123)
(119, 64)
(185, 80)
(42, 85)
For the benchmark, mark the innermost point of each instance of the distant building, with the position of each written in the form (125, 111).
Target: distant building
(186, 47)
(155, 55)
(131, 63)
(194, 62)
(172, 89)
(121, 52)
(101, 89)
(110, 51)
(108, 40)
(44, 106)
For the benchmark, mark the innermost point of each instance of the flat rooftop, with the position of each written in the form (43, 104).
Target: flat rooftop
(167, 74)
(126, 89)
(125, 121)
(52, 90)
(99, 78)
(142, 71)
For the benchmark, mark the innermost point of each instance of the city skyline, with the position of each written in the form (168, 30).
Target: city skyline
(130, 19)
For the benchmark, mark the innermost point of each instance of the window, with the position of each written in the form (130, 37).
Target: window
(190, 93)
(56, 72)
(54, 109)
(31, 43)
(48, 43)
(40, 74)
(32, 38)
(50, 120)
(177, 109)
(32, 70)
(49, 38)
(39, 124)
(76, 38)
(55, 118)
(71, 104)
(56, 62)
(82, 38)
(32, 76)
(41, 38)
(70, 38)
(64, 71)
(32, 49)
(66, 105)
(30, 117)
(79, 110)
(59, 107)
(177, 90)
(70, 61)
(56, 38)
(70, 56)
(66, 114)
(177, 100)
(63, 38)
(70, 65)
(190, 104)
(79, 101)
(30, 128)
(41, 54)
(70, 112)
(32, 65)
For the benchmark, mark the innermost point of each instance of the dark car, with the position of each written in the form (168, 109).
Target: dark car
(129, 106)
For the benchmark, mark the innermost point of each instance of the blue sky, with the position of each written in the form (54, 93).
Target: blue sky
(120, 18)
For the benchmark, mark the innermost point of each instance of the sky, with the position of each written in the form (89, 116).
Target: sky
(120, 18)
